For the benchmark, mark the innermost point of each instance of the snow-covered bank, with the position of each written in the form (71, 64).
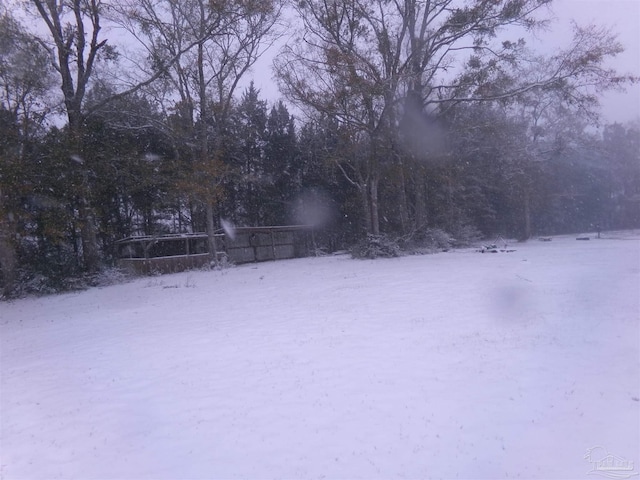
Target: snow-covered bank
(456, 365)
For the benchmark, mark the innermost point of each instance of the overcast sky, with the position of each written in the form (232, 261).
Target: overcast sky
(623, 16)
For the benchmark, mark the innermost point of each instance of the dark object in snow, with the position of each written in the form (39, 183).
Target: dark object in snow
(545, 239)
(598, 229)
(582, 238)
(493, 248)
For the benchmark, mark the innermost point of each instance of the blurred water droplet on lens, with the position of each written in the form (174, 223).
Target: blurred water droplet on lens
(229, 228)
(313, 208)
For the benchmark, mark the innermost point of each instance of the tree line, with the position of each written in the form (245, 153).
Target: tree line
(414, 116)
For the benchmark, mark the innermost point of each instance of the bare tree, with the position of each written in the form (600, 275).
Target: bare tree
(385, 66)
(26, 76)
(69, 23)
(556, 113)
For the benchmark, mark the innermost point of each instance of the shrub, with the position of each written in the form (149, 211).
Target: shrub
(466, 235)
(376, 246)
(438, 239)
(109, 276)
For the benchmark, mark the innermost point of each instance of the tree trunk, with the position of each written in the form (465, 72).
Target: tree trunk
(90, 250)
(213, 247)
(366, 207)
(8, 264)
(403, 208)
(421, 204)
(373, 196)
(88, 235)
(526, 234)
(8, 257)
(204, 148)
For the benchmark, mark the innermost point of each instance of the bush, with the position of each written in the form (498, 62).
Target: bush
(109, 276)
(35, 283)
(438, 239)
(466, 235)
(376, 246)
(429, 240)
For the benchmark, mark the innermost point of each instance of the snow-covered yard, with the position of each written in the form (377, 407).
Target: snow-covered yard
(454, 365)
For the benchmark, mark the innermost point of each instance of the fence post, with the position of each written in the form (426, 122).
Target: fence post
(273, 245)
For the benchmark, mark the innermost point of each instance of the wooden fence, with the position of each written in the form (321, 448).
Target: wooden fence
(178, 252)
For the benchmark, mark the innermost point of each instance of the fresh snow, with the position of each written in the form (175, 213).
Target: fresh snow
(454, 365)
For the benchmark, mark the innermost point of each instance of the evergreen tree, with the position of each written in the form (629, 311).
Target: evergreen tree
(282, 166)
(252, 183)
(12, 183)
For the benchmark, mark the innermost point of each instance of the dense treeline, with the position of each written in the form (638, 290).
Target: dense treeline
(385, 146)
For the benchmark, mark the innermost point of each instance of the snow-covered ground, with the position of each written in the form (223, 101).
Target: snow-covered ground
(454, 365)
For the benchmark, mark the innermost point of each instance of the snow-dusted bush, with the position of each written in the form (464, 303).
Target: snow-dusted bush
(466, 235)
(437, 238)
(109, 276)
(375, 246)
(422, 241)
(428, 240)
(224, 262)
(36, 283)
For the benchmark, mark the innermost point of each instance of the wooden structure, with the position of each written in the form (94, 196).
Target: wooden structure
(163, 253)
(257, 244)
(178, 252)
